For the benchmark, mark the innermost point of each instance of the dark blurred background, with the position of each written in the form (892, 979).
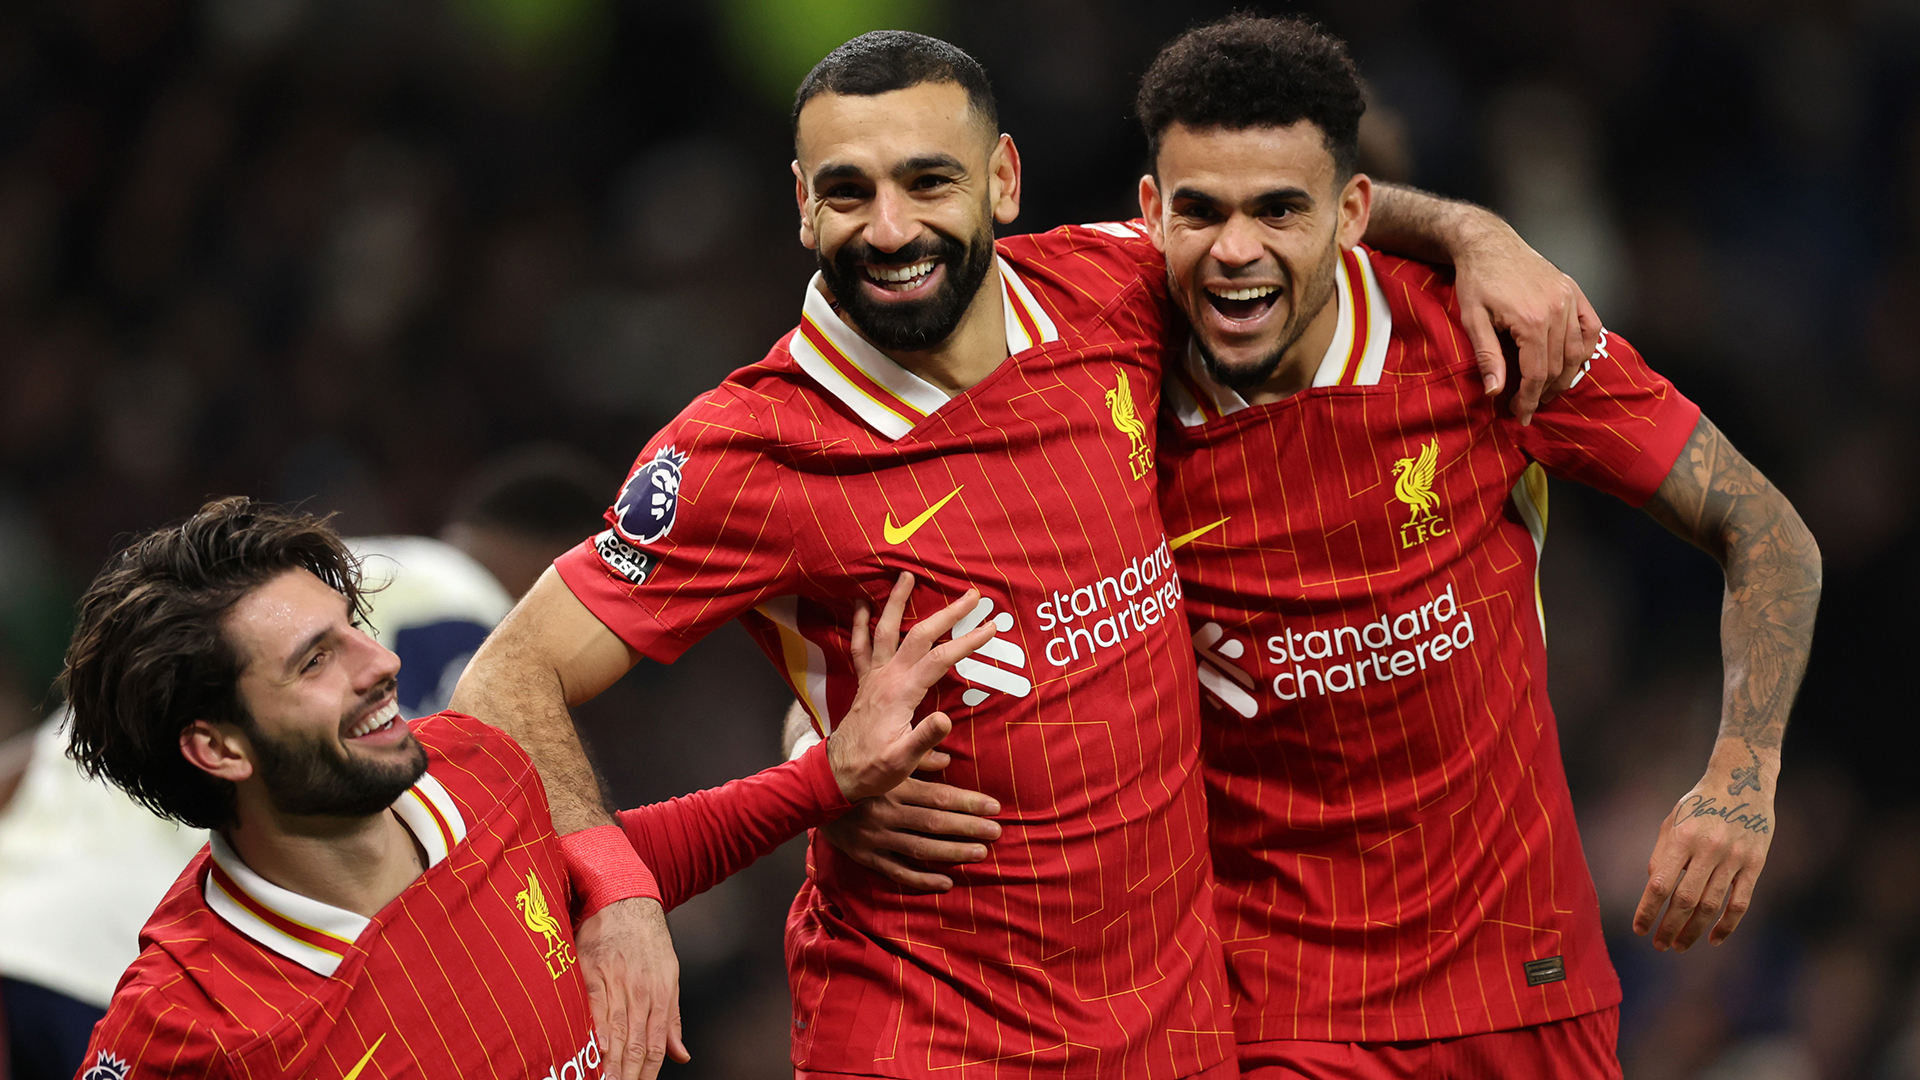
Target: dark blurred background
(347, 251)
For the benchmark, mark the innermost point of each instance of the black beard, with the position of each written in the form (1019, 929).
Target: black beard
(917, 324)
(1320, 289)
(312, 777)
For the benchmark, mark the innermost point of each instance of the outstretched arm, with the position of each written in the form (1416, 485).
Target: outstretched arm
(1712, 846)
(548, 654)
(1503, 286)
(696, 841)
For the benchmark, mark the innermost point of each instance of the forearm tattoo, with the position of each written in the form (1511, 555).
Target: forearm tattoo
(1716, 499)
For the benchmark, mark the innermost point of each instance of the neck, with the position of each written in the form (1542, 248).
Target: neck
(1302, 359)
(972, 352)
(359, 864)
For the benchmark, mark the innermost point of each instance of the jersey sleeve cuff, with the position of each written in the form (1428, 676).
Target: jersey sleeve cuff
(820, 780)
(610, 602)
(604, 869)
(1679, 416)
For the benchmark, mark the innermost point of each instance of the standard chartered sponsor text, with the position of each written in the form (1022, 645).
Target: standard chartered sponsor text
(1429, 633)
(1111, 610)
(577, 1067)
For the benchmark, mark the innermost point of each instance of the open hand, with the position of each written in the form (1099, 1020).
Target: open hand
(876, 745)
(1709, 854)
(633, 987)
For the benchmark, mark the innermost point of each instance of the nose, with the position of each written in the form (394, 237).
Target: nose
(377, 663)
(892, 226)
(1238, 243)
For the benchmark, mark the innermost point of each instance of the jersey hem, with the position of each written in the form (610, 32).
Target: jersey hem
(1346, 1032)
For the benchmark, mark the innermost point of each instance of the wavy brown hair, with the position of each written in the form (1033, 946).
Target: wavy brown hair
(150, 654)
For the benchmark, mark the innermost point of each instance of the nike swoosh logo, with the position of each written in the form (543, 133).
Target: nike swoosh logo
(898, 534)
(1179, 542)
(354, 1073)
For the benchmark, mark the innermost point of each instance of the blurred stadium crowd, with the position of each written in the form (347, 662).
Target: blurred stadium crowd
(350, 252)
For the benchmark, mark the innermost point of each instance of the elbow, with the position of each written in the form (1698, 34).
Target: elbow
(1810, 561)
(1798, 547)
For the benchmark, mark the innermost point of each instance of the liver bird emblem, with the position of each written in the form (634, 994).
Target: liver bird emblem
(1413, 481)
(1126, 417)
(532, 902)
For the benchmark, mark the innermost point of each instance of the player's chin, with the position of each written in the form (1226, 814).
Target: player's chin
(1239, 355)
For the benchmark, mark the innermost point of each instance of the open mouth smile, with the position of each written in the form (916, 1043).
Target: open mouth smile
(1242, 303)
(902, 281)
(381, 719)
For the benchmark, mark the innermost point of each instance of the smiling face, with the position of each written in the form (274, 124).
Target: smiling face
(898, 194)
(1253, 222)
(326, 738)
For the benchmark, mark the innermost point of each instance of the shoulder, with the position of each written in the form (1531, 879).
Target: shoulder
(1429, 281)
(161, 1023)
(170, 1014)
(478, 764)
(756, 411)
(1427, 336)
(1089, 266)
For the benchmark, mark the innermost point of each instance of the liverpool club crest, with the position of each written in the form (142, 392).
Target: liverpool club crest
(1413, 485)
(1127, 418)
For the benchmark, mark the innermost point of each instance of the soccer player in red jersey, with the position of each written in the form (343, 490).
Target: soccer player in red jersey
(379, 897)
(986, 417)
(1358, 531)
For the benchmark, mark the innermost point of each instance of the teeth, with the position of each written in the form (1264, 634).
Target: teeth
(380, 718)
(905, 273)
(1254, 293)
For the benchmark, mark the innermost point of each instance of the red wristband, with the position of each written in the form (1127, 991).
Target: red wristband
(604, 869)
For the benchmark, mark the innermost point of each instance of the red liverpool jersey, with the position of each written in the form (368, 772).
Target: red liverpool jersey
(1390, 820)
(1085, 943)
(469, 972)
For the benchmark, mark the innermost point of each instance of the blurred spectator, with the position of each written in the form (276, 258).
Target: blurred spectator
(434, 601)
(81, 868)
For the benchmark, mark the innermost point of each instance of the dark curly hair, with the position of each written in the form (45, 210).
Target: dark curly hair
(149, 656)
(1250, 71)
(886, 60)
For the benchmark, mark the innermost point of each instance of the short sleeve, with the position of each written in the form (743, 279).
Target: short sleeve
(697, 534)
(1619, 428)
(146, 1034)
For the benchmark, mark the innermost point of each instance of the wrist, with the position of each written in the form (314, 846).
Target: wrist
(1739, 769)
(1470, 231)
(823, 778)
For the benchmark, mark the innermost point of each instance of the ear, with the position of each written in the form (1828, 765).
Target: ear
(807, 239)
(1151, 210)
(217, 750)
(1356, 206)
(1004, 185)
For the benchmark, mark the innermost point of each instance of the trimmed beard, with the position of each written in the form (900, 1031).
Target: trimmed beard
(915, 325)
(1319, 290)
(312, 777)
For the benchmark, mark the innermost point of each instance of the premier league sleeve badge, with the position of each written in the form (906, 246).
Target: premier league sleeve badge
(644, 512)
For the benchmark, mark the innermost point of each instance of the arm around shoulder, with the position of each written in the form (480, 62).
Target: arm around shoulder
(548, 654)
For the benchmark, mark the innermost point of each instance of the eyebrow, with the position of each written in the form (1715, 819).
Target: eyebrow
(1285, 194)
(919, 163)
(928, 161)
(306, 647)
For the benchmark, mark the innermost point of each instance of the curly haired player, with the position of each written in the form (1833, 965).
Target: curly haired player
(1402, 887)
